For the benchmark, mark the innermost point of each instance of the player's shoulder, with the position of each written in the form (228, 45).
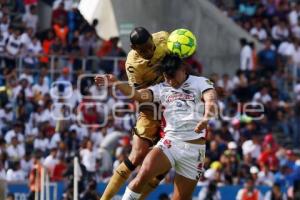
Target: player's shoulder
(133, 59)
(199, 80)
(161, 35)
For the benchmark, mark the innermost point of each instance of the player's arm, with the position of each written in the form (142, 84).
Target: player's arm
(143, 95)
(211, 109)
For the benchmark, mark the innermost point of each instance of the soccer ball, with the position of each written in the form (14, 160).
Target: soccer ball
(182, 42)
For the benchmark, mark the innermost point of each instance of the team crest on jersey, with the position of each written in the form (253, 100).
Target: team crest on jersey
(167, 143)
(209, 82)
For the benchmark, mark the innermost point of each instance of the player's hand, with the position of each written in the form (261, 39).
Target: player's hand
(201, 125)
(106, 79)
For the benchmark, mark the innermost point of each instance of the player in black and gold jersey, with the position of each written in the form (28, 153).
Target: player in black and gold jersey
(142, 67)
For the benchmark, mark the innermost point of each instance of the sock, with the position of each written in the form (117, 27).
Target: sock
(150, 186)
(130, 195)
(119, 177)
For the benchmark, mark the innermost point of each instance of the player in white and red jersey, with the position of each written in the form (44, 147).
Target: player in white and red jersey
(189, 102)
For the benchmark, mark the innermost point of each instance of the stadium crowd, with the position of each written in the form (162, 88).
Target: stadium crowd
(47, 120)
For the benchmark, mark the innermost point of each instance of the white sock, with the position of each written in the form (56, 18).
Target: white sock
(130, 195)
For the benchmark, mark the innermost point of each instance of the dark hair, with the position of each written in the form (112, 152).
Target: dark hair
(170, 64)
(243, 41)
(139, 35)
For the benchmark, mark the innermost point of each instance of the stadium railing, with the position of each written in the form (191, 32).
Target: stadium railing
(55, 63)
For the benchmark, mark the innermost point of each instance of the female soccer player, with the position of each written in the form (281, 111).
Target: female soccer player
(189, 103)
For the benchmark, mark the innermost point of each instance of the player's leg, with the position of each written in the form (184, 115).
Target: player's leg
(151, 185)
(189, 168)
(155, 163)
(140, 148)
(183, 187)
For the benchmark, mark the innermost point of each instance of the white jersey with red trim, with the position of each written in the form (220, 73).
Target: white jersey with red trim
(183, 106)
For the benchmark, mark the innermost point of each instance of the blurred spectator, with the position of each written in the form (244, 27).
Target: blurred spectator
(30, 19)
(27, 163)
(89, 158)
(29, 3)
(210, 192)
(268, 157)
(59, 169)
(59, 13)
(275, 193)
(267, 58)
(249, 191)
(280, 32)
(254, 174)
(13, 49)
(51, 161)
(110, 49)
(87, 42)
(294, 14)
(35, 173)
(262, 96)
(15, 173)
(265, 176)
(15, 150)
(33, 50)
(65, 77)
(258, 31)
(67, 4)
(90, 193)
(41, 142)
(4, 23)
(47, 46)
(75, 53)
(245, 56)
(254, 56)
(195, 65)
(61, 30)
(296, 30)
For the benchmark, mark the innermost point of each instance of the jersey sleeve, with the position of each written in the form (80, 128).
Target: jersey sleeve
(133, 74)
(155, 89)
(204, 84)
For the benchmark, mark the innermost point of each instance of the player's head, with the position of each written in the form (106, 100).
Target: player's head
(142, 42)
(174, 70)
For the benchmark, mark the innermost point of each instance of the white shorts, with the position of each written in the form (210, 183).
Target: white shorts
(187, 159)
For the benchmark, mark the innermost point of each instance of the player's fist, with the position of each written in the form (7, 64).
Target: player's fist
(201, 126)
(106, 79)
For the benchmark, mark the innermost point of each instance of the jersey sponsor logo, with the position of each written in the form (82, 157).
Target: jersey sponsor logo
(180, 96)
